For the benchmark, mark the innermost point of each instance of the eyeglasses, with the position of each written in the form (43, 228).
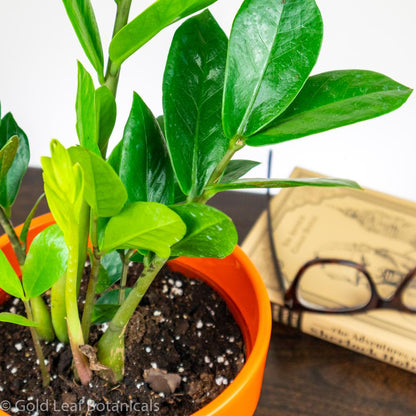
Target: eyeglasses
(348, 286)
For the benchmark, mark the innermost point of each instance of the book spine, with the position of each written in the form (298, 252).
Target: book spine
(345, 335)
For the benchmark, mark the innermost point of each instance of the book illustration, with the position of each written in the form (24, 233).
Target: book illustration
(380, 222)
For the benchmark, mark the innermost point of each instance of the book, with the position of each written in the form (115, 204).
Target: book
(367, 227)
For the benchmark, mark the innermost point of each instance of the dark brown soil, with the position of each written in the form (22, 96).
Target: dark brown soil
(182, 327)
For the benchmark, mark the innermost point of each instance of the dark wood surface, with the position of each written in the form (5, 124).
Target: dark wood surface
(304, 375)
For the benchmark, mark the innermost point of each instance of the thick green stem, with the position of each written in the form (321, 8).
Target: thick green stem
(236, 144)
(58, 310)
(92, 283)
(42, 317)
(111, 344)
(125, 259)
(14, 239)
(38, 348)
(75, 334)
(113, 70)
(83, 230)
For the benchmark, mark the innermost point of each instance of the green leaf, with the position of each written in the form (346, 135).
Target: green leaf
(110, 271)
(28, 221)
(7, 155)
(46, 261)
(334, 99)
(273, 48)
(106, 112)
(161, 121)
(87, 128)
(237, 168)
(140, 30)
(12, 318)
(179, 195)
(81, 15)
(9, 281)
(64, 187)
(107, 306)
(210, 233)
(281, 183)
(10, 184)
(192, 95)
(144, 225)
(141, 158)
(137, 257)
(103, 189)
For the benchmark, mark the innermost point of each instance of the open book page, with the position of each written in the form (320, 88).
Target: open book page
(370, 228)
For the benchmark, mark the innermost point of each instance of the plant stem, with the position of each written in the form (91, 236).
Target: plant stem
(236, 144)
(113, 70)
(92, 282)
(38, 348)
(58, 310)
(125, 259)
(111, 344)
(42, 317)
(83, 231)
(75, 334)
(14, 239)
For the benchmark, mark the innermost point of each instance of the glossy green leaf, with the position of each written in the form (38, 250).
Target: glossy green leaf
(107, 306)
(146, 25)
(144, 225)
(46, 261)
(110, 271)
(273, 48)
(28, 221)
(12, 318)
(87, 128)
(237, 168)
(334, 99)
(7, 155)
(161, 121)
(64, 187)
(192, 95)
(9, 281)
(141, 158)
(281, 183)
(103, 189)
(106, 112)
(179, 195)
(210, 233)
(81, 15)
(10, 184)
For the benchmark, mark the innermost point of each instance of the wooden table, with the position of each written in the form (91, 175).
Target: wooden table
(304, 375)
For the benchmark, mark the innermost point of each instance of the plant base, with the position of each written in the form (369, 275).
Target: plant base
(182, 326)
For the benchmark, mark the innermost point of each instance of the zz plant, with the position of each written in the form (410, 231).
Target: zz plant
(145, 201)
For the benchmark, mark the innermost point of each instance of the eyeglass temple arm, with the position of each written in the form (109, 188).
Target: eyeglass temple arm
(273, 249)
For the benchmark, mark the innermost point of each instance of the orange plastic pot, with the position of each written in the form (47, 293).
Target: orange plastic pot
(238, 282)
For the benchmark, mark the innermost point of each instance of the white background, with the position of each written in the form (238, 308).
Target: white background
(38, 52)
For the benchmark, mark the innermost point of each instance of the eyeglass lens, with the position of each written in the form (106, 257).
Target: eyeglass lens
(329, 287)
(333, 287)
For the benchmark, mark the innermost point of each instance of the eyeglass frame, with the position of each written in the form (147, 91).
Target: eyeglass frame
(291, 300)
